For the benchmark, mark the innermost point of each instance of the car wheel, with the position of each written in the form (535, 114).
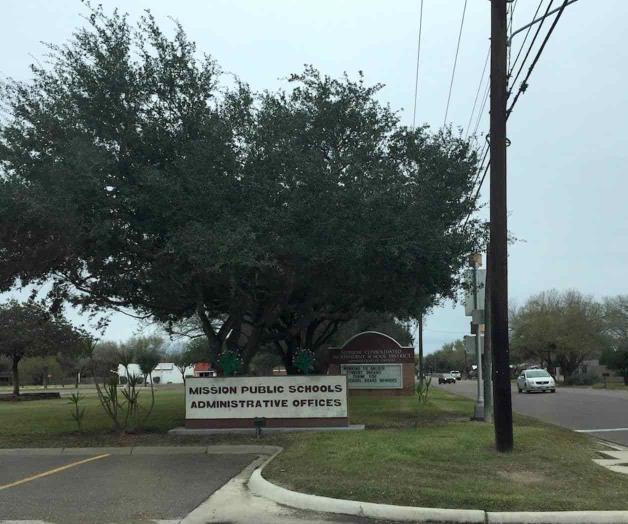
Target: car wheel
(552, 391)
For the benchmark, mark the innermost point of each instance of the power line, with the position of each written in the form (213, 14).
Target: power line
(538, 30)
(521, 90)
(477, 93)
(512, 13)
(525, 38)
(453, 71)
(418, 60)
(485, 96)
(524, 84)
(481, 112)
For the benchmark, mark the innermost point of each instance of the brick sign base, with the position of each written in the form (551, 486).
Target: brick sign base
(371, 347)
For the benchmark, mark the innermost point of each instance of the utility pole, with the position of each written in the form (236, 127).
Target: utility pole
(498, 256)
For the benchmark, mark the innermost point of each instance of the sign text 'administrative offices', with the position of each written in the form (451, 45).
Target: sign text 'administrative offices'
(294, 400)
(240, 392)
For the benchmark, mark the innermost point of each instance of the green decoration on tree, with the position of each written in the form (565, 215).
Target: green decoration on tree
(304, 361)
(230, 363)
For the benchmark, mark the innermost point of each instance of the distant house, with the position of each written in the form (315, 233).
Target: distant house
(203, 369)
(169, 373)
(133, 371)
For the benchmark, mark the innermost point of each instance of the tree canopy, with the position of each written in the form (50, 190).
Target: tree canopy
(29, 330)
(560, 329)
(132, 177)
(450, 357)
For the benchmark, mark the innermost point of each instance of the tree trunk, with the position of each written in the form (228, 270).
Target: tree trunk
(16, 376)
(287, 357)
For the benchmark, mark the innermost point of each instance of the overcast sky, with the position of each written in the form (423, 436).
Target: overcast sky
(567, 176)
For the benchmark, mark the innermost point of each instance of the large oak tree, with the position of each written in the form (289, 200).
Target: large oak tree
(132, 177)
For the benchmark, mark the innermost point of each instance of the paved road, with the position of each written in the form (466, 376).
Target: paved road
(112, 489)
(575, 408)
(140, 486)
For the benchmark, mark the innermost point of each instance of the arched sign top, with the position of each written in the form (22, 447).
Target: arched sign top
(372, 347)
(370, 338)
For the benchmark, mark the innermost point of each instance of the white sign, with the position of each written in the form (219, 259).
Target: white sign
(469, 344)
(468, 296)
(267, 397)
(373, 376)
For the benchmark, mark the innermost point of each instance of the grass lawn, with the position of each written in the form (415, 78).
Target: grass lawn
(438, 458)
(432, 456)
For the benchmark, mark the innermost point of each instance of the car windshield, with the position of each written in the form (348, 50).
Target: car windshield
(537, 373)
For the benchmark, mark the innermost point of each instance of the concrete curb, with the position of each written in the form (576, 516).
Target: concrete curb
(146, 450)
(261, 487)
(559, 517)
(199, 515)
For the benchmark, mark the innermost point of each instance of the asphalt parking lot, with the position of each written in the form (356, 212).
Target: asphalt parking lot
(597, 412)
(110, 488)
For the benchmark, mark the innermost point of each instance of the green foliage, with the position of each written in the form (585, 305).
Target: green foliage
(132, 177)
(617, 359)
(616, 319)
(29, 330)
(264, 361)
(561, 329)
(147, 359)
(121, 403)
(373, 321)
(78, 412)
(35, 370)
(423, 389)
(304, 361)
(451, 357)
(230, 362)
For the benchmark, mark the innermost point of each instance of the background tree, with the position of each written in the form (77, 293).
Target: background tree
(450, 357)
(561, 329)
(130, 178)
(76, 359)
(616, 326)
(617, 360)
(616, 319)
(105, 359)
(29, 330)
(146, 352)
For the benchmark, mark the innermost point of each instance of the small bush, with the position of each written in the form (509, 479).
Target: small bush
(583, 379)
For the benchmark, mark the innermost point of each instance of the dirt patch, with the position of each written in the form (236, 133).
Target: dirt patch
(524, 477)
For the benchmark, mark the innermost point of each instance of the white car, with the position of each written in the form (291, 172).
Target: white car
(456, 374)
(536, 380)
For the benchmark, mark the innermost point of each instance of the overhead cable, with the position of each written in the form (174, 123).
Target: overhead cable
(453, 71)
(418, 61)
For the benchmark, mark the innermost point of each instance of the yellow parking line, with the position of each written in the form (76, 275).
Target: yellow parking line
(52, 471)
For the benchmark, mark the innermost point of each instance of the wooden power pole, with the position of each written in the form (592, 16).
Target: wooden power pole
(498, 255)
